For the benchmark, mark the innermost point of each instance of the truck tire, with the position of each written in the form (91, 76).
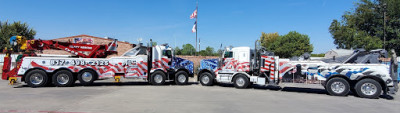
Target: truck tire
(63, 78)
(206, 79)
(368, 88)
(241, 81)
(157, 78)
(36, 78)
(338, 87)
(86, 77)
(181, 78)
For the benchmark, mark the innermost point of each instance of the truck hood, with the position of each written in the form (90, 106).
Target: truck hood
(180, 63)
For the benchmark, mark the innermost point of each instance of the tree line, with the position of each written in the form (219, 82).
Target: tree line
(188, 49)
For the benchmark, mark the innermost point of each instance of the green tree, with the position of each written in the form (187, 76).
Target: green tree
(153, 43)
(267, 39)
(178, 51)
(203, 53)
(209, 50)
(367, 25)
(17, 28)
(291, 44)
(188, 49)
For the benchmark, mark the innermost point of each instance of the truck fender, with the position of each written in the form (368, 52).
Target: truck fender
(183, 69)
(23, 76)
(203, 71)
(234, 75)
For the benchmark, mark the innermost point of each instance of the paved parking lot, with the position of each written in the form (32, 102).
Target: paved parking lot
(107, 97)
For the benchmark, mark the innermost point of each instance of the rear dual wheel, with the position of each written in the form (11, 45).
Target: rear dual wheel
(63, 78)
(365, 88)
(338, 87)
(181, 78)
(368, 88)
(36, 78)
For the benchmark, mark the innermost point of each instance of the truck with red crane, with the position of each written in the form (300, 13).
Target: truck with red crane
(154, 63)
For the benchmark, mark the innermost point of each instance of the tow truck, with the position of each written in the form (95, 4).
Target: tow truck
(361, 73)
(153, 63)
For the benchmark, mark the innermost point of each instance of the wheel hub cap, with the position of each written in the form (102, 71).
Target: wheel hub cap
(181, 78)
(337, 87)
(205, 79)
(240, 81)
(368, 89)
(86, 76)
(62, 79)
(158, 78)
(36, 78)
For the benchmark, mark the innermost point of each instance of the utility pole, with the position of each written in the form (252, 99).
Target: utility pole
(384, 25)
(197, 9)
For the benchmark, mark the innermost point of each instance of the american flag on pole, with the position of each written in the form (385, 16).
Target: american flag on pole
(194, 14)
(194, 29)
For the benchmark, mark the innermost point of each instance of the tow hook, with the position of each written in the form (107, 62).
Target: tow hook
(12, 80)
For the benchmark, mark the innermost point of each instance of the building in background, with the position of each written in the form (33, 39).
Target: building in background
(87, 39)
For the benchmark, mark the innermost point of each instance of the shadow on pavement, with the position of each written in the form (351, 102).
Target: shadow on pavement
(96, 84)
(256, 87)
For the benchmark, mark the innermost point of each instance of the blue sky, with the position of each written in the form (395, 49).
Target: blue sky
(230, 22)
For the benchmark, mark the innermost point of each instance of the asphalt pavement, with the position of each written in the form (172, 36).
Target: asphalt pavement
(132, 97)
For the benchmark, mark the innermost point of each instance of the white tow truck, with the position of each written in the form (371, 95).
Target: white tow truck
(361, 72)
(155, 64)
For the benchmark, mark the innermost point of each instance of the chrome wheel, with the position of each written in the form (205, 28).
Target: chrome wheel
(338, 87)
(62, 78)
(240, 81)
(368, 89)
(158, 78)
(205, 79)
(36, 78)
(181, 78)
(87, 76)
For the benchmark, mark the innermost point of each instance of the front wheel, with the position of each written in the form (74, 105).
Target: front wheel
(36, 78)
(206, 79)
(368, 88)
(181, 78)
(157, 78)
(241, 81)
(338, 87)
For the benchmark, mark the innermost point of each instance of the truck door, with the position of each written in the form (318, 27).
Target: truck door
(227, 67)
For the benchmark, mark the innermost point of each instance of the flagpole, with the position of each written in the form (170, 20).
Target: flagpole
(197, 4)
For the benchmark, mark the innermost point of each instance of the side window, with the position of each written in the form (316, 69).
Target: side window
(228, 54)
(167, 53)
